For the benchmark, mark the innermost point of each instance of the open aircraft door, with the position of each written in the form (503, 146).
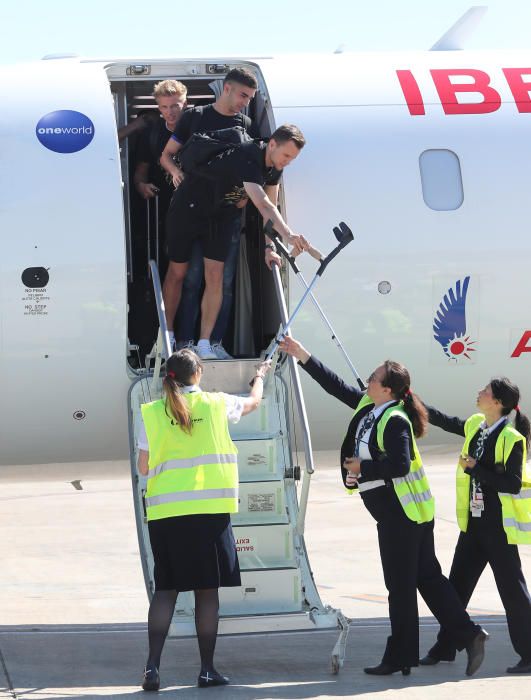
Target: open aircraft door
(63, 290)
(278, 592)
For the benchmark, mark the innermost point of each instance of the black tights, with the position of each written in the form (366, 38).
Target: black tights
(206, 624)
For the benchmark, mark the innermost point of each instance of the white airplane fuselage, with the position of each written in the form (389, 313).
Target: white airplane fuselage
(427, 157)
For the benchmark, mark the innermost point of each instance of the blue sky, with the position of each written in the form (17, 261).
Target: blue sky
(109, 28)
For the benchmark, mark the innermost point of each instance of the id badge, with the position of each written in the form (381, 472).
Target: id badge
(477, 506)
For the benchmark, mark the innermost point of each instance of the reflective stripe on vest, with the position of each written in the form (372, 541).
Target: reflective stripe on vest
(191, 496)
(370, 485)
(190, 462)
(516, 508)
(190, 473)
(512, 522)
(412, 490)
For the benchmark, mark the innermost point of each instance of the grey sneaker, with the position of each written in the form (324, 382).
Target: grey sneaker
(182, 344)
(205, 352)
(220, 352)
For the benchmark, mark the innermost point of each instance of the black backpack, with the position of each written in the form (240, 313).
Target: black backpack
(200, 150)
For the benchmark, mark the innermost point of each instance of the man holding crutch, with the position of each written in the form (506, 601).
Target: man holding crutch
(246, 172)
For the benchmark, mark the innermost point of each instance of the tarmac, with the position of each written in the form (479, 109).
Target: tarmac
(73, 604)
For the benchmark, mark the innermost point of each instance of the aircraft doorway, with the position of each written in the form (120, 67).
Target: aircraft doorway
(255, 316)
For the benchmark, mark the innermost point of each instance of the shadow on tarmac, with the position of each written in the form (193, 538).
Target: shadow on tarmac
(95, 661)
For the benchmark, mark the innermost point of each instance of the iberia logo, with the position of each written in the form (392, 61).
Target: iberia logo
(449, 324)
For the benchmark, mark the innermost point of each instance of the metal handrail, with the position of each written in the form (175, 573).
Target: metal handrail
(301, 408)
(163, 338)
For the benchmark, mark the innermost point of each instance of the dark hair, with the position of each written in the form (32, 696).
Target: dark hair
(289, 132)
(508, 394)
(180, 368)
(397, 379)
(242, 76)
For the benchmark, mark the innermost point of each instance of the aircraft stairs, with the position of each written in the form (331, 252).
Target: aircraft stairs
(278, 592)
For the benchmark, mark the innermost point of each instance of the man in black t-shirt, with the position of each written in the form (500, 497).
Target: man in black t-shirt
(198, 236)
(149, 178)
(251, 170)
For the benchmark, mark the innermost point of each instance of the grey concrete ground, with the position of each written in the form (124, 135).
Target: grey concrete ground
(73, 604)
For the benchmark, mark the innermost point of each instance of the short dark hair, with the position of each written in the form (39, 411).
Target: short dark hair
(289, 132)
(242, 76)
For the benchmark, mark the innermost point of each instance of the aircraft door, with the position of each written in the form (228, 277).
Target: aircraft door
(63, 305)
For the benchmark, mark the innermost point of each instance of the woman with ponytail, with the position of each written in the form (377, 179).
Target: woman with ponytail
(187, 454)
(380, 459)
(493, 489)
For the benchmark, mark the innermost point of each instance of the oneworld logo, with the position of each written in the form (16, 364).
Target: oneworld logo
(449, 324)
(65, 131)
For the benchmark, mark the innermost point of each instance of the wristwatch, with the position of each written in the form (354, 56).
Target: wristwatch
(271, 246)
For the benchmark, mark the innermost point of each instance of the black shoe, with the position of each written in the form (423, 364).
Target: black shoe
(386, 670)
(211, 678)
(476, 652)
(428, 660)
(522, 666)
(151, 679)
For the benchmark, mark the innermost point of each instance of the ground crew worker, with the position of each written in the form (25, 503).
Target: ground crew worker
(379, 457)
(190, 460)
(493, 486)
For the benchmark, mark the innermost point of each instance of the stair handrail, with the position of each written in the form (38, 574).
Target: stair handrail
(163, 344)
(301, 408)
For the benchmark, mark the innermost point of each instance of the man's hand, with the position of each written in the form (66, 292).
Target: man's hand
(177, 177)
(299, 243)
(272, 258)
(147, 190)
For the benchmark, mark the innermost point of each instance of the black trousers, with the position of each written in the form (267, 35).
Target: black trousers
(409, 563)
(485, 542)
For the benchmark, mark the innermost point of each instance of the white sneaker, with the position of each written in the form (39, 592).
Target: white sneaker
(220, 352)
(205, 352)
(182, 344)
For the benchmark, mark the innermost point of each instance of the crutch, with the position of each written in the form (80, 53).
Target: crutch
(273, 236)
(344, 236)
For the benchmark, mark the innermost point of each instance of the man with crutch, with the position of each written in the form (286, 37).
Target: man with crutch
(244, 173)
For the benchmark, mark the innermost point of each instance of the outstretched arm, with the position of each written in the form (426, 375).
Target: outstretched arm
(330, 382)
(251, 402)
(268, 210)
(451, 424)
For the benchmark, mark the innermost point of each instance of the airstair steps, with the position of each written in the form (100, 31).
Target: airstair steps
(278, 592)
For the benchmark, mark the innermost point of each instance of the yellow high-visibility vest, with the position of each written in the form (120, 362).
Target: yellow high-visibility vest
(516, 508)
(412, 490)
(190, 473)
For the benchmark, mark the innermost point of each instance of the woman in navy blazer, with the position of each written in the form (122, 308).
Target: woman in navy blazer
(387, 471)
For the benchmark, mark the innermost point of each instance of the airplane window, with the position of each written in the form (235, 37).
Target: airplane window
(440, 174)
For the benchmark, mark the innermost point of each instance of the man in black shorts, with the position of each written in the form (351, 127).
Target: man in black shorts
(253, 170)
(197, 233)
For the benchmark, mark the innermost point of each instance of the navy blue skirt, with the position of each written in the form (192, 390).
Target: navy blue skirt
(193, 552)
